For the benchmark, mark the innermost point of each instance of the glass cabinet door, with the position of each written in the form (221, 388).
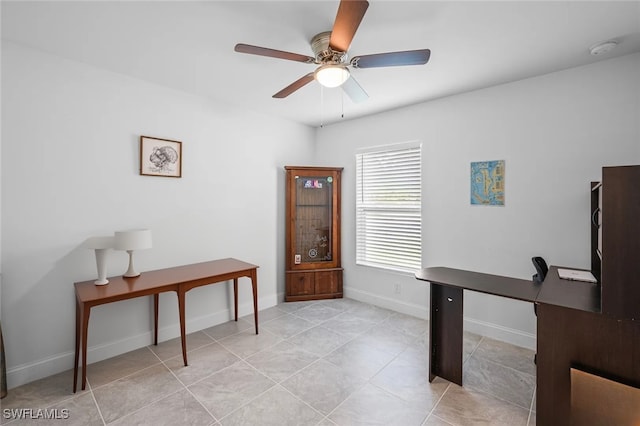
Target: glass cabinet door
(313, 217)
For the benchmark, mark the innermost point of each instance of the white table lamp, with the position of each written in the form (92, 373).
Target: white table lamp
(100, 245)
(135, 239)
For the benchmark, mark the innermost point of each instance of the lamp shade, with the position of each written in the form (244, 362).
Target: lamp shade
(134, 239)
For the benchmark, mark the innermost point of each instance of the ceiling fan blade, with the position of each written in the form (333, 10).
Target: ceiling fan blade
(353, 89)
(392, 59)
(294, 86)
(272, 53)
(348, 18)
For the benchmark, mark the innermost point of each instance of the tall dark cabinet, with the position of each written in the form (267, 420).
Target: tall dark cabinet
(312, 267)
(594, 329)
(615, 240)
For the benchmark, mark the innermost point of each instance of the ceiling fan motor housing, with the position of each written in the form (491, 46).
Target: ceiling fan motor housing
(323, 53)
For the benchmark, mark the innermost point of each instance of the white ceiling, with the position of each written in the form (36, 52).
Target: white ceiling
(189, 45)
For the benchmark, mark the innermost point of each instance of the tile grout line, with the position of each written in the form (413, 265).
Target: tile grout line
(498, 397)
(303, 401)
(280, 382)
(474, 349)
(254, 353)
(437, 402)
(503, 366)
(130, 374)
(162, 362)
(154, 400)
(95, 401)
(275, 383)
(254, 398)
(531, 405)
(367, 381)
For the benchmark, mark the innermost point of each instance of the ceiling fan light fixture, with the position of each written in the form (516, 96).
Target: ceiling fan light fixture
(331, 75)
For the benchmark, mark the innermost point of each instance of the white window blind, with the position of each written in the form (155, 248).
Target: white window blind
(388, 207)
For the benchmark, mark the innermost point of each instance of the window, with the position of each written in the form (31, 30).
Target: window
(388, 207)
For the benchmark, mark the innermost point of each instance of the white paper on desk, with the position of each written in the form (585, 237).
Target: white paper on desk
(575, 275)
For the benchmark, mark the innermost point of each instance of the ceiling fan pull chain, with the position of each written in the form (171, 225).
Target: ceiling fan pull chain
(321, 106)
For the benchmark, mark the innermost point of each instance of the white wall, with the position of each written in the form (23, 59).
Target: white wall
(555, 133)
(70, 136)
(70, 170)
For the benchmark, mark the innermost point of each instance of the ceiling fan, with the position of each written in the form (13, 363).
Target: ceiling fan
(330, 50)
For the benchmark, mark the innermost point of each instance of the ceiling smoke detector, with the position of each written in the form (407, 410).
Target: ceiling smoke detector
(603, 47)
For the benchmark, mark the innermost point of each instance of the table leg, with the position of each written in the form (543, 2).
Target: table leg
(156, 298)
(445, 338)
(85, 311)
(235, 297)
(254, 285)
(183, 329)
(77, 354)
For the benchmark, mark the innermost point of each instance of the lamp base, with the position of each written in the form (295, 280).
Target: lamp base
(131, 272)
(101, 261)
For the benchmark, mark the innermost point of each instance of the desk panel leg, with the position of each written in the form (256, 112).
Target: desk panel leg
(183, 328)
(445, 338)
(156, 303)
(235, 297)
(254, 284)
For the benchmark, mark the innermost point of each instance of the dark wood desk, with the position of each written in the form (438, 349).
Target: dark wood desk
(151, 283)
(571, 332)
(446, 312)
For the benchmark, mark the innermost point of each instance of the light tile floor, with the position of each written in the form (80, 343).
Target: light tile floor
(334, 362)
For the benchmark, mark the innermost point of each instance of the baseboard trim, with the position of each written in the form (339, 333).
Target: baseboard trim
(483, 328)
(420, 311)
(26, 373)
(499, 332)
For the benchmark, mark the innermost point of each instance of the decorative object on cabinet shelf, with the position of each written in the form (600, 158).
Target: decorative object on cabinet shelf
(160, 157)
(487, 183)
(101, 245)
(131, 240)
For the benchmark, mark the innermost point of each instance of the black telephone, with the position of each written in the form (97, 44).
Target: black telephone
(541, 269)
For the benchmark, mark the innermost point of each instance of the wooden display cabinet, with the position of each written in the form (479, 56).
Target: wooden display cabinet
(313, 269)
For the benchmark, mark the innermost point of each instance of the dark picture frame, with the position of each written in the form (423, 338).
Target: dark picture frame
(160, 157)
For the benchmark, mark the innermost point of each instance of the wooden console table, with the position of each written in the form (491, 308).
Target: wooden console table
(151, 283)
(446, 322)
